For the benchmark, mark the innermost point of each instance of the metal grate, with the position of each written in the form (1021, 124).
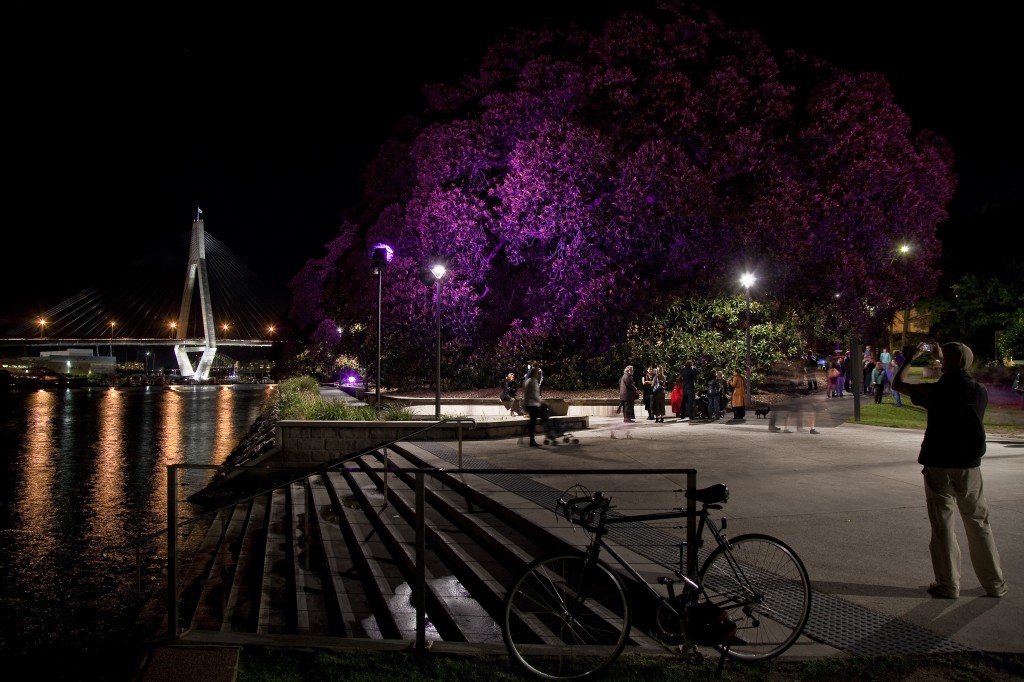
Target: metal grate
(833, 621)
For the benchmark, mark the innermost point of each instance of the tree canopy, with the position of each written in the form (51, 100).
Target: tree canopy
(577, 183)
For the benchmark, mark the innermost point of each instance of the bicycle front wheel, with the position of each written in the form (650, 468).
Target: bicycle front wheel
(764, 586)
(566, 618)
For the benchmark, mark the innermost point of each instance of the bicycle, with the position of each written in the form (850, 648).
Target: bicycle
(568, 616)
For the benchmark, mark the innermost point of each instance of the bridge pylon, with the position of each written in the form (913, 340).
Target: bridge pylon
(196, 271)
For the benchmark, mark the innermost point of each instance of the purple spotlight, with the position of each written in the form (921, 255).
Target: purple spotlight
(351, 380)
(382, 254)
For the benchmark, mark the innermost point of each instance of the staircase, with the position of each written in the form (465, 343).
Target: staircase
(330, 560)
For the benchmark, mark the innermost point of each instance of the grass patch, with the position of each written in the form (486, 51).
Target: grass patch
(1000, 420)
(259, 664)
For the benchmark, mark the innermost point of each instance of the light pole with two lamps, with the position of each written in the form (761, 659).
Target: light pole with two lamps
(747, 280)
(439, 272)
(382, 255)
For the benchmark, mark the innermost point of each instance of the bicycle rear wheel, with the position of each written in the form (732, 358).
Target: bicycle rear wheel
(764, 586)
(566, 618)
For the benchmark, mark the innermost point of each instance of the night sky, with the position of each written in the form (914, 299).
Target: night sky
(120, 126)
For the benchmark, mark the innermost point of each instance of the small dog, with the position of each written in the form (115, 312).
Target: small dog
(762, 412)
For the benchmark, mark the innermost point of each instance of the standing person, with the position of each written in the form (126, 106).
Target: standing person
(869, 368)
(688, 375)
(811, 371)
(627, 394)
(716, 387)
(738, 384)
(676, 400)
(878, 381)
(954, 441)
(532, 402)
(897, 360)
(841, 379)
(648, 390)
(658, 395)
(885, 359)
(530, 366)
(833, 376)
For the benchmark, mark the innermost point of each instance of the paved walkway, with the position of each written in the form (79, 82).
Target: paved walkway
(848, 499)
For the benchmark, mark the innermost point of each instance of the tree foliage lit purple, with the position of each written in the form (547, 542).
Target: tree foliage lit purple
(577, 182)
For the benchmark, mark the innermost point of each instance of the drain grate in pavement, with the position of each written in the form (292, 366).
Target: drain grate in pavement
(833, 621)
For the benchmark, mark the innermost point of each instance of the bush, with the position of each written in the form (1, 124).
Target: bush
(299, 398)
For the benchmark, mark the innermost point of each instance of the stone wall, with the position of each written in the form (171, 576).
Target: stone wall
(310, 443)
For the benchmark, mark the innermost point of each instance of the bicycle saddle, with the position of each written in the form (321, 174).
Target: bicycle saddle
(713, 494)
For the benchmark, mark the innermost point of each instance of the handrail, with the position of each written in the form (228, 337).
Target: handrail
(319, 469)
(172, 504)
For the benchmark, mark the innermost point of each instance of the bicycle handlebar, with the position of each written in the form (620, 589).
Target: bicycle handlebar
(587, 511)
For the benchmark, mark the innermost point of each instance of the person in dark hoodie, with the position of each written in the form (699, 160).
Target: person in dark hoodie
(954, 441)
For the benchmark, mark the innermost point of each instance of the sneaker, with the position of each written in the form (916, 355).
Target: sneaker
(813, 431)
(774, 429)
(997, 592)
(685, 419)
(786, 431)
(939, 592)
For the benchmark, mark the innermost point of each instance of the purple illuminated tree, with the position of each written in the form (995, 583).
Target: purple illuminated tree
(577, 182)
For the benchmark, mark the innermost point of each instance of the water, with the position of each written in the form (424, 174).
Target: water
(83, 469)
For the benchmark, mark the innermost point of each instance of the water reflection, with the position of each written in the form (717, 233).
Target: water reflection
(83, 469)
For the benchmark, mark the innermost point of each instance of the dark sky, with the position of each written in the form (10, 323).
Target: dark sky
(120, 126)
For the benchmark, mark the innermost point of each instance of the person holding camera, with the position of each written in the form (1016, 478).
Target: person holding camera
(954, 442)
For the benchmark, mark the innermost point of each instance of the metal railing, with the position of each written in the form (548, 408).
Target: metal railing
(174, 526)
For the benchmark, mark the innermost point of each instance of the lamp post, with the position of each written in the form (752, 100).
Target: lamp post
(42, 328)
(382, 255)
(111, 349)
(438, 271)
(747, 280)
(904, 250)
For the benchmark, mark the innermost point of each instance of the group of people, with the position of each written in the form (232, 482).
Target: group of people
(950, 455)
(683, 398)
(877, 373)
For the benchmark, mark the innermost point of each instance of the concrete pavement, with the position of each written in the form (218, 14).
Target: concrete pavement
(849, 500)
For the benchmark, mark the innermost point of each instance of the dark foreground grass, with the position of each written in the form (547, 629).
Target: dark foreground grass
(259, 664)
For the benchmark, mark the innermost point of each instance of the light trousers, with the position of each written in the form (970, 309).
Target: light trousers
(963, 489)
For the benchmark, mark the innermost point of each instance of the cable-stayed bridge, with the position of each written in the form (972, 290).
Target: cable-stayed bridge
(224, 303)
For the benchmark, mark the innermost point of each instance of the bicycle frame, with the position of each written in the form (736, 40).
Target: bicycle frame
(598, 543)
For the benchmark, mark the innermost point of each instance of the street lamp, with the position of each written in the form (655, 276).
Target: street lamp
(147, 363)
(438, 271)
(174, 329)
(382, 255)
(747, 280)
(904, 250)
(42, 327)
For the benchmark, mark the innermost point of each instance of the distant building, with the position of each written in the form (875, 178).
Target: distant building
(73, 361)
